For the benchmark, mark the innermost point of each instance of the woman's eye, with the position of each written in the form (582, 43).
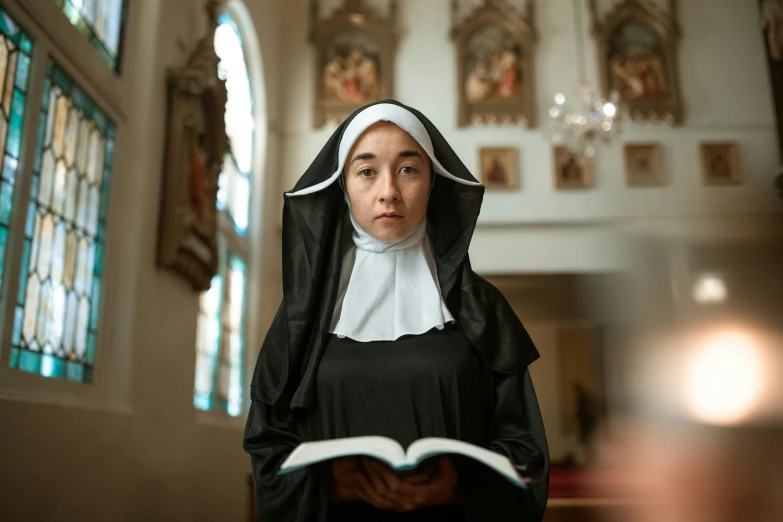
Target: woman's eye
(407, 170)
(365, 173)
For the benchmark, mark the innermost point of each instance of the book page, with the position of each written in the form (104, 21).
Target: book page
(381, 448)
(425, 448)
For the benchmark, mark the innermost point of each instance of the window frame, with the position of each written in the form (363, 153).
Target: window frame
(55, 38)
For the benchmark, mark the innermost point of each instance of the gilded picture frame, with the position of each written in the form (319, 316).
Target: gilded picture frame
(571, 171)
(638, 46)
(644, 165)
(720, 163)
(196, 142)
(354, 59)
(495, 50)
(499, 168)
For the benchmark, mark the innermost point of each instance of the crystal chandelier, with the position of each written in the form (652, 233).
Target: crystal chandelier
(595, 120)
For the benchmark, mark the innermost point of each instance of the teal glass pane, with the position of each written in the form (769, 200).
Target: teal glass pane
(208, 340)
(74, 372)
(3, 241)
(15, 125)
(14, 361)
(9, 28)
(9, 168)
(101, 22)
(6, 201)
(29, 361)
(90, 357)
(22, 71)
(26, 44)
(51, 366)
(18, 318)
(60, 284)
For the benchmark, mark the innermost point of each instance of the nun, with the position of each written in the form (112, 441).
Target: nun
(384, 329)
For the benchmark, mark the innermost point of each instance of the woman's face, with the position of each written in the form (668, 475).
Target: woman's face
(387, 178)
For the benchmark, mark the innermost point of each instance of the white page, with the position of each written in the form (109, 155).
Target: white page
(381, 448)
(433, 445)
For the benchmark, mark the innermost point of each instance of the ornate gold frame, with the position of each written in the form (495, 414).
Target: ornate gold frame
(669, 109)
(499, 13)
(655, 153)
(353, 13)
(196, 141)
(735, 177)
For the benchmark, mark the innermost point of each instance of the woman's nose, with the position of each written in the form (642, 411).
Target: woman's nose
(388, 188)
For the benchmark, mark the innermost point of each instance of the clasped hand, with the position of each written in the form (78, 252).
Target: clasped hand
(371, 481)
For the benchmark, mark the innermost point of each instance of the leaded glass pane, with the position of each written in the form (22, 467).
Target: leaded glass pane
(207, 343)
(59, 293)
(15, 50)
(101, 22)
(234, 184)
(230, 383)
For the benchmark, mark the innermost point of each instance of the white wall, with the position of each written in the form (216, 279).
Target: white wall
(147, 454)
(726, 93)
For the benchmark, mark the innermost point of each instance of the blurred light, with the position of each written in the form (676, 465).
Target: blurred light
(725, 379)
(560, 98)
(554, 112)
(610, 110)
(709, 289)
(590, 151)
(568, 119)
(581, 119)
(607, 126)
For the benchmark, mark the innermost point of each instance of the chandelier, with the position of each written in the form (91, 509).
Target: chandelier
(595, 120)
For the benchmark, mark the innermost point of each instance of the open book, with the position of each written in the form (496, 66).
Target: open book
(394, 455)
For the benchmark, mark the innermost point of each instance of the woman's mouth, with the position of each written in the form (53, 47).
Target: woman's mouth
(388, 217)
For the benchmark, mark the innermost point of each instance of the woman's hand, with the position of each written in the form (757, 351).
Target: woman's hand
(413, 492)
(351, 483)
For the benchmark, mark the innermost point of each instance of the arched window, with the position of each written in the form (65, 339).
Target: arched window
(220, 344)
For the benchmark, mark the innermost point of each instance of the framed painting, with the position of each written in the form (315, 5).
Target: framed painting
(495, 73)
(637, 54)
(499, 168)
(720, 164)
(354, 59)
(570, 170)
(196, 143)
(643, 165)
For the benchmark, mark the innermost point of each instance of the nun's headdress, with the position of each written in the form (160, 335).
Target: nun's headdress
(315, 236)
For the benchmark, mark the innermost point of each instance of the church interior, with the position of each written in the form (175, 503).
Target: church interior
(632, 154)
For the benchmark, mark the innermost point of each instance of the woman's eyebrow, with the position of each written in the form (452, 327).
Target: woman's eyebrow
(410, 154)
(363, 156)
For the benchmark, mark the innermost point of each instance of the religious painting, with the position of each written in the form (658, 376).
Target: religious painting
(571, 170)
(196, 144)
(498, 167)
(638, 59)
(354, 59)
(720, 164)
(643, 166)
(495, 46)
(352, 69)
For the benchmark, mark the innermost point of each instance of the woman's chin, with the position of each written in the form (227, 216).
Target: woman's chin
(390, 233)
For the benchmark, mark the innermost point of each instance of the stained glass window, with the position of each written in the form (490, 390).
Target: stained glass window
(234, 181)
(101, 22)
(15, 50)
(221, 339)
(58, 302)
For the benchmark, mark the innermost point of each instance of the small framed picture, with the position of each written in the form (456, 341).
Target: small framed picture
(720, 164)
(498, 167)
(572, 171)
(643, 165)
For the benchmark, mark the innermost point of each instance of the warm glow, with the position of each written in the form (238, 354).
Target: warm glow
(709, 289)
(610, 110)
(606, 126)
(554, 112)
(560, 98)
(725, 379)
